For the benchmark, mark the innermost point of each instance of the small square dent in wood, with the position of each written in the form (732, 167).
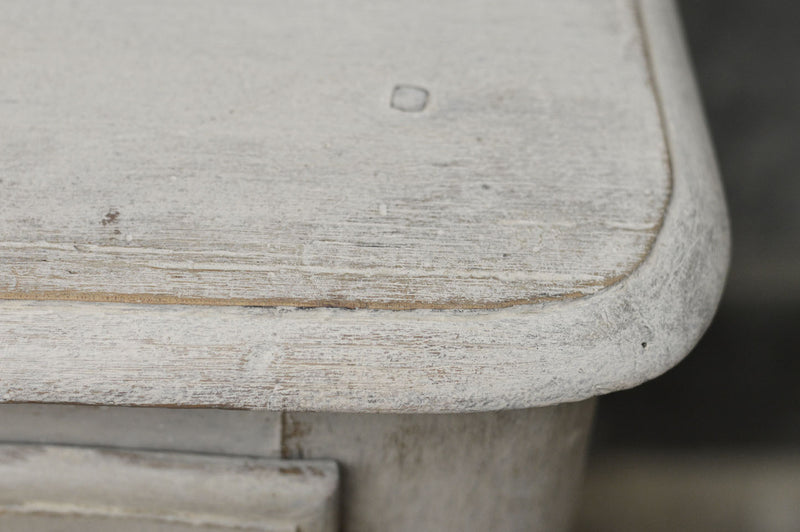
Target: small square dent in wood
(409, 98)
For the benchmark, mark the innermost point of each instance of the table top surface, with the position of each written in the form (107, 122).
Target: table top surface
(259, 154)
(473, 156)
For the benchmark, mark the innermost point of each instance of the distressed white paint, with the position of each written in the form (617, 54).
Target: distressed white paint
(196, 430)
(69, 488)
(510, 470)
(235, 153)
(404, 361)
(500, 471)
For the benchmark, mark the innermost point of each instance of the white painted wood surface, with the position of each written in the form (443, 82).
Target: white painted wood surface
(70, 488)
(499, 471)
(247, 152)
(489, 471)
(574, 158)
(195, 430)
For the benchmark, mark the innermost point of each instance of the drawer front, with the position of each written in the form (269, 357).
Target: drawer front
(46, 488)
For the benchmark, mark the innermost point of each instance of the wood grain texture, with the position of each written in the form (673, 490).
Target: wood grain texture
(424, 360)
(248, 154)
(69, 488)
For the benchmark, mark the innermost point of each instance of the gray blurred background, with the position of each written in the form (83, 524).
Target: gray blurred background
(715, 443)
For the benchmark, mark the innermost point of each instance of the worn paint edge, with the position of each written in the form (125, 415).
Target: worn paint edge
(574, 349)
(348, 304)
